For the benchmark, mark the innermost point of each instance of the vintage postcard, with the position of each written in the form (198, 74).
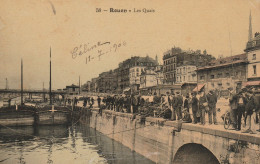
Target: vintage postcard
(134, 82)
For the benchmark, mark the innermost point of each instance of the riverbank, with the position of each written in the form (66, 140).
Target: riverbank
(160, 140)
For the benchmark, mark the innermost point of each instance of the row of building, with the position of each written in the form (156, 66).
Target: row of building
(183, 71)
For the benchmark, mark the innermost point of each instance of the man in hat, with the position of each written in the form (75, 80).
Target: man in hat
(194, 106)
(242, 101)
(212, 101)
(135, 102)
(179, 102)
(173, 107)
(99, 101)
(202, 106)
(249, 110)
(233, 102)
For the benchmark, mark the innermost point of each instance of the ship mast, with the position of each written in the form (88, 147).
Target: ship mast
(21, 81)
(79, 85)
(50, 79)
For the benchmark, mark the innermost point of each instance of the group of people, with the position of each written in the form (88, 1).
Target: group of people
(198, 104)
(243, 103)
(193, 107)
(122, 103)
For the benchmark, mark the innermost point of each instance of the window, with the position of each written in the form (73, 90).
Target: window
(177, 78)
(219, 75)
(201, 77)
(183, 78)
(227, 74)
(254, 57)
(254, 69)
(137, 69)
(180, 79)
(183, 69)
(237, 73)
(137, 74)
(212, 76)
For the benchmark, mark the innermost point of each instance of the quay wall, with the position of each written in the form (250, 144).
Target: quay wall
(160, 141)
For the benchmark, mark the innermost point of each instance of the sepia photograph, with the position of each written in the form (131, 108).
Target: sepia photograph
(130, 82)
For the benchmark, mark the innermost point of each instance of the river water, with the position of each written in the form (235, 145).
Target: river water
(62, 145)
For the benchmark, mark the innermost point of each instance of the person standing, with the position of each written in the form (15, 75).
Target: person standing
(169, 99)
(121, 103)
(186, 103)
(212, 101)
(92, 102)
(135, 102)
(249, 110)
(88, 98)
(242, 101)
(128, 104)
(85, 102)
(173, 104)
(194, 106)
(179, 103)
(112, 101)
(233, 101)
(99, 101)
(202, 107)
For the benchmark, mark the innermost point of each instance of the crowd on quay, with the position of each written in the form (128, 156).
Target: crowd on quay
(190, 108)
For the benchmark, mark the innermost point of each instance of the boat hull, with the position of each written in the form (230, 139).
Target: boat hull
(52, 118)
(16, 119)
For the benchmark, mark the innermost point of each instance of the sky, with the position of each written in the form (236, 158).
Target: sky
(28, 29)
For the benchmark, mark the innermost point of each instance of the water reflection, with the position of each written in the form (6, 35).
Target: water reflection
(62, 144)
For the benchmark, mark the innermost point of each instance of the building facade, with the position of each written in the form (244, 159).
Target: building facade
(72, 89)
(107, 82)
(137, 68)
(129, 71)
(169, 65)
(186, 74)
(177, 57)
(94, 85)
(224, 73)
(253, 55)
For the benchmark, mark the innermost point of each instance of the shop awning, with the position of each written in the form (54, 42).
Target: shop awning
(252, 83)
(198, 87)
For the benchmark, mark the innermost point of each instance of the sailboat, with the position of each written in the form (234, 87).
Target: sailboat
(16, 115)
(51, 114)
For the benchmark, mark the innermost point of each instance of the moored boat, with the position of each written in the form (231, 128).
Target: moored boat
(50, 115)
(17, 116)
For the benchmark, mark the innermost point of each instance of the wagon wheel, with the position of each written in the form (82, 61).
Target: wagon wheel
(226, 120)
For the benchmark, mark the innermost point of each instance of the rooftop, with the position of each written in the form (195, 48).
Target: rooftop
(241, 58)
(254, 43)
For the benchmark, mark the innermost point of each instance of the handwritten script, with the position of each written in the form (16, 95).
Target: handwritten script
(93, 51)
